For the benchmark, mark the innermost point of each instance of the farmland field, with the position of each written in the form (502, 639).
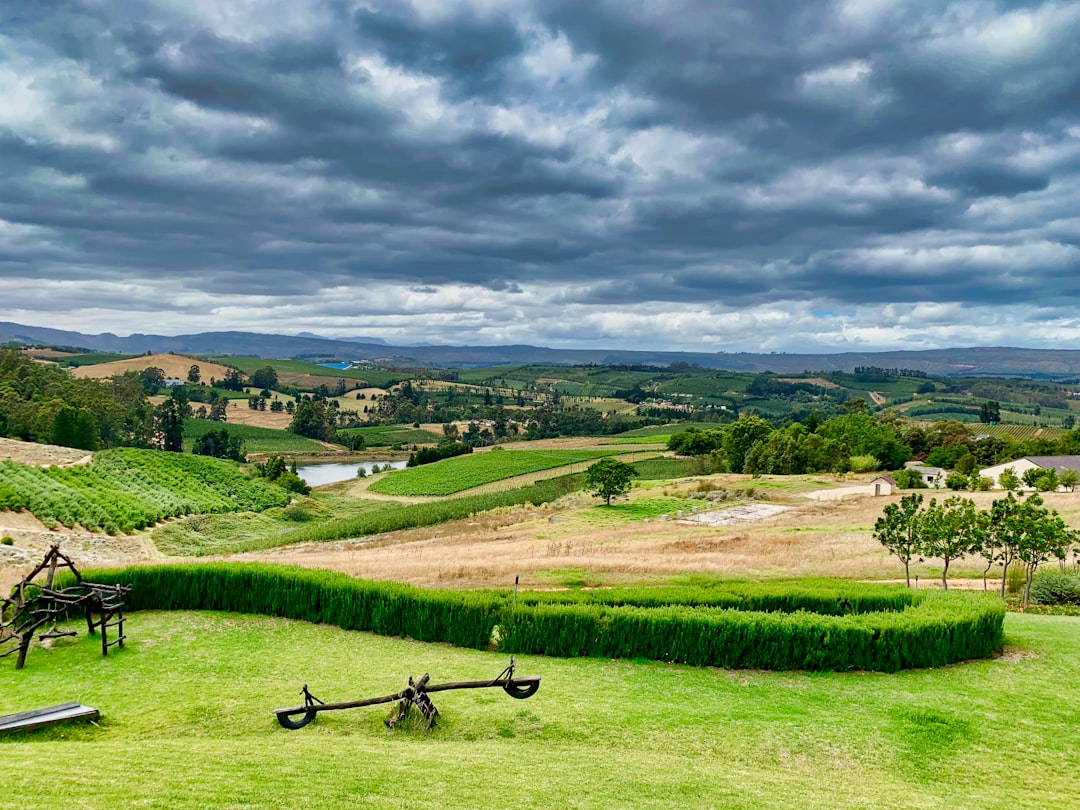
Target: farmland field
(298, 368)
(123, 490)
(187, 719)
(465, 472)
(386, 435)
(256, 439)
(1021, 433)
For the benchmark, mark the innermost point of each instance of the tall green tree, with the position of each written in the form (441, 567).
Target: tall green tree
(313, 420)
(169, 426)
(740, 436)
(608, 478)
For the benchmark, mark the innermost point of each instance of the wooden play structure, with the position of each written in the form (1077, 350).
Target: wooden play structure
(35, 608)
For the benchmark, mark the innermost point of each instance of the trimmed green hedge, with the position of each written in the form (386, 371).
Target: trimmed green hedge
(887, 630)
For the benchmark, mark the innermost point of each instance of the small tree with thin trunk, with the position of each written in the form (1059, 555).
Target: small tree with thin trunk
(609, 477)
(951, 530)
(899, 531)
(1045, 535)
(1003, 534)
(1069, 478)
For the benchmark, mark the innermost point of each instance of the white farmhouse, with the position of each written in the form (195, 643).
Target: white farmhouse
(1022, 465)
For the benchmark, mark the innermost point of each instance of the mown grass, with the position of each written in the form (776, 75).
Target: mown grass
(465, 472)
(256, 439)
(634, 511)
(187, 723)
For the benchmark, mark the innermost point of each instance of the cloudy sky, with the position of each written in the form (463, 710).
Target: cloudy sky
(721, 175)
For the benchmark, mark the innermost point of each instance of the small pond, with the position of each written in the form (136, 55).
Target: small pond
(318, 474)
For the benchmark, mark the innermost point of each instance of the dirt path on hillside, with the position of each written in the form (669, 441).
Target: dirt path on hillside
(42, 455)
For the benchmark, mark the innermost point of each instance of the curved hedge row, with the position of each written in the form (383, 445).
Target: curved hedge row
(906, 628)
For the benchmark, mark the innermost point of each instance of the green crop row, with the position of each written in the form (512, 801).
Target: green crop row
(465, 472)
(934, 628)
(126, 489)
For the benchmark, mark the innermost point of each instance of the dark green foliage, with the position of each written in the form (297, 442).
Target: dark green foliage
(909, 479)
(937, 629)
(265, 377)
(41, 403)
(219, 444)
(313, 420)
(429, 455)
(609, 478)
(169, 426)
(123, 490)
(653, 469)
(1055, 588)
(919, 629)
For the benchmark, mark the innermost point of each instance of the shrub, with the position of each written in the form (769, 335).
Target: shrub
(6, 541)
(861, 464)
(1055, 588)
(742, 625)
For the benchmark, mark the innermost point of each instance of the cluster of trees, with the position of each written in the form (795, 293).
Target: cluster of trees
(862, 442)
(1011, 531)
(445, 449)
(752, 445)
(276, 470)
(42, 403)
(219, 444)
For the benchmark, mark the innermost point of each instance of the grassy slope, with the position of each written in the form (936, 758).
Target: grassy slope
(256, 439)
(188, 723)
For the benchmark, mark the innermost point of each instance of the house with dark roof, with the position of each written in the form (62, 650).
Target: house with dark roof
(1022, 465)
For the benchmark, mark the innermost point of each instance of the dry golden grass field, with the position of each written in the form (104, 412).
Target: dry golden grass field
(571, 542)
(174, 365)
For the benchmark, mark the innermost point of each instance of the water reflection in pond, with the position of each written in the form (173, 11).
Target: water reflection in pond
(318, 474)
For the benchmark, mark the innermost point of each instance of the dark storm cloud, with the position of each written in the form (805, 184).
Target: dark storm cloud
(563, 154)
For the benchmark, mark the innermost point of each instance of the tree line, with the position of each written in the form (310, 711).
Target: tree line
(861, 442)
(1011, 531)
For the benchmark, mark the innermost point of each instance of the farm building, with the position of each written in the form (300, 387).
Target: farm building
(882, 485)
(1022, 465)
(933, 477)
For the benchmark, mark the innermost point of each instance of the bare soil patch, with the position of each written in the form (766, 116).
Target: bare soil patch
(41, 455)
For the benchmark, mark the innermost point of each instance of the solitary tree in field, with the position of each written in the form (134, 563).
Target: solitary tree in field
(194, 374)
(899, 531)
(609, 477)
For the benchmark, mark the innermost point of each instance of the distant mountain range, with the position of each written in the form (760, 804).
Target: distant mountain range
(975, 361)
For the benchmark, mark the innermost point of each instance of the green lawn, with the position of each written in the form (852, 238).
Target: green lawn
(187, 723)
(465, 472)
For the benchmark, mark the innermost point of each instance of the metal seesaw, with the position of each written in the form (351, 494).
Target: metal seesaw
(415, 694)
